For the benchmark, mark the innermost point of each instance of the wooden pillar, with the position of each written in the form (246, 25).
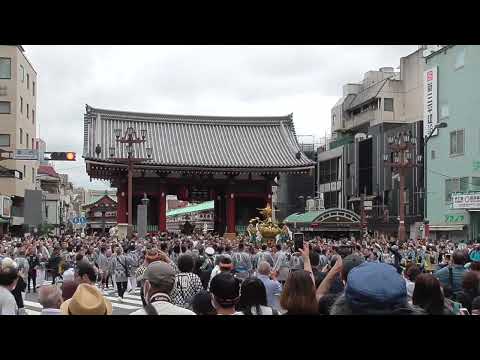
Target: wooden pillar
(162, 209)
(231, 212)
(122, 204)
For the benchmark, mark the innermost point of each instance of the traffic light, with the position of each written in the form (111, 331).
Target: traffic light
(63, 156)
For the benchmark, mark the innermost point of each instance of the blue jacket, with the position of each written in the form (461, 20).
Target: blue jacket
(457, 277)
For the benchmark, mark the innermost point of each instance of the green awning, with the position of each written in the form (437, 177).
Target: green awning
(4, 221)
(302, 218)
(205, 206)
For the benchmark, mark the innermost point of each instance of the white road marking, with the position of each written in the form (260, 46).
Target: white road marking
(128, 301)
(32, 312)
(32, 304)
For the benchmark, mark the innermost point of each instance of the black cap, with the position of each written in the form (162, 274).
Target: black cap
(226, 289)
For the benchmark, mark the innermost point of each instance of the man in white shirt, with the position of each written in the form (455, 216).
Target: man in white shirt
(159, 281)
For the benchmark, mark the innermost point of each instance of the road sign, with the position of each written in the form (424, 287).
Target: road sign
(26, 154)
(368, 204)
(79, 220)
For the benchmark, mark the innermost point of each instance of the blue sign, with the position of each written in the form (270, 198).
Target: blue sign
(81, 220)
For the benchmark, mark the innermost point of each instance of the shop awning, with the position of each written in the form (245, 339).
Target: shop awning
(302, 218)
(4, 221)
(458, 227)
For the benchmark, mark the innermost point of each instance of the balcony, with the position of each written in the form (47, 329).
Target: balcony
(363, 118)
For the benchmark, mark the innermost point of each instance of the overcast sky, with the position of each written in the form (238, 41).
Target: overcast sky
(203, 80)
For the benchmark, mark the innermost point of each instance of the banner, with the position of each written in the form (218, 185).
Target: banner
(5, 206)
(430, 97)
(466, 200)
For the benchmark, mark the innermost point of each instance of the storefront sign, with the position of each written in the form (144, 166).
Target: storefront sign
(5, 206)
(466, 200)
(430, 81)
(454, 219)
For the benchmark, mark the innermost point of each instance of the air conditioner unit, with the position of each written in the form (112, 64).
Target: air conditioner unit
(427, 52)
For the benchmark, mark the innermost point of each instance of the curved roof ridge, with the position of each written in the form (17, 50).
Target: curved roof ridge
(183, 117)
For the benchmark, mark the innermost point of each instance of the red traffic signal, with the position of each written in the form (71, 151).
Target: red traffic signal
(63, 156)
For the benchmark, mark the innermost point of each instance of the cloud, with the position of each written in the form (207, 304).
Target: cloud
(216, 80)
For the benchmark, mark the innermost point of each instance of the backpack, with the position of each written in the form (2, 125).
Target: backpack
(455, 294)
(150, 310)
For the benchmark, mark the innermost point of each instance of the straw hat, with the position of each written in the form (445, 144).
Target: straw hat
(87, 300)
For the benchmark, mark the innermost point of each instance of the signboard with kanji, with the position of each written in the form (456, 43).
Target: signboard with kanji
(430, 119)
(466, 200)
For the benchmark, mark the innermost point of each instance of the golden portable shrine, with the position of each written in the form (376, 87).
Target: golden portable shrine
(265, 230)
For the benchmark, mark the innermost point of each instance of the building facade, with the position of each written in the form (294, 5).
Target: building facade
(231, 160)
(101, 214)
(18, 120)
(453, 163)
(294, 190)
(351, 164)
(198, 215)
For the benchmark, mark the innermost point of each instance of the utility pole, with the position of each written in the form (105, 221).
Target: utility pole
(401, 144)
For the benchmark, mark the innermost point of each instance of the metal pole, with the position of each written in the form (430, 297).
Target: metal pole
(425, 156)
(103, 220)
(130, 174)
(401, 226)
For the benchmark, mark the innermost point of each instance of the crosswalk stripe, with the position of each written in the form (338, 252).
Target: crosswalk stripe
(32, 312)
(128, 301)
(124, 306)
(32, 304)
(130, 296)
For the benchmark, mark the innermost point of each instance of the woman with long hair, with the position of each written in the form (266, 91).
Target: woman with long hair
(298, 296)
(253, 298)
(428, 295)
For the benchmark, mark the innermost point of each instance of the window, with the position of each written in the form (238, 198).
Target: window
(28, 81)
(33, 116)
(388, 104)
(33, 88)
(433, 154)
(26, 141)
(22, 73)
(5, 68)
(24, 171)
(457, 142)
(28, 111)
(4, 140)
(21, 136)
(4, 107)
(475, 184)
(33, 175)
(455, 185)
(333, 120)
(460, 59)
(21, 104)
(444, 111)
(33, 143)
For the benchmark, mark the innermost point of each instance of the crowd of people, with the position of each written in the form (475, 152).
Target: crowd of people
(207, 275)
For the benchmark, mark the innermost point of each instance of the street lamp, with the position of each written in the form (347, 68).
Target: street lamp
(441, 125)
(129, 139)
(401, 146)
